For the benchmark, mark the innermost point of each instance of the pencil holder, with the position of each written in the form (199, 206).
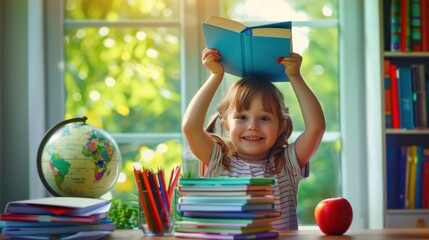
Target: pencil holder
(157, 200)
(158, 221)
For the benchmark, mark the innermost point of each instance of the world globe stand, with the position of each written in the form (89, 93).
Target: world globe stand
(75, 159)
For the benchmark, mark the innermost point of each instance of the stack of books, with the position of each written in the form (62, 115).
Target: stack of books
(226, 208)
(57, 217)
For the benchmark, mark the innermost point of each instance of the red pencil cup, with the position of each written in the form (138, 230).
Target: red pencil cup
(157, 221)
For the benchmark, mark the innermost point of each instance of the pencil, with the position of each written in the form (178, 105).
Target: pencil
(154, 208)
(143, 200)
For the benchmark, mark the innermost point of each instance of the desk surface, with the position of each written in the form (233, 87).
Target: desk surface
(406, 234)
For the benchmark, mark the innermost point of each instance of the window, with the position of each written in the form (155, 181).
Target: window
(124, 68)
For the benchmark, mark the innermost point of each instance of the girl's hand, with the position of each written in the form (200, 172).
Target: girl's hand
(210, 59)
(292, 65)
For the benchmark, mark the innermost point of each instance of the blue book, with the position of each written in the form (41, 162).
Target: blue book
(392, 180)
(405, 96)
(250, 50)
(402, 177)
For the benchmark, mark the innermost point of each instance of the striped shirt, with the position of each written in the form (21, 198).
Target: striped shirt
(285, 188)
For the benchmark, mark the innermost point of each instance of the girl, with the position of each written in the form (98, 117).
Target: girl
(257, 126)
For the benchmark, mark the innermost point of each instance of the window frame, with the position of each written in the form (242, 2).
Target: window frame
(361, 179)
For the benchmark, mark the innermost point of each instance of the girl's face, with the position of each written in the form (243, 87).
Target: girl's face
(253, 131)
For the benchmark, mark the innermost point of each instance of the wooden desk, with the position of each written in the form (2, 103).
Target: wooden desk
(406, 234)
(396, 234)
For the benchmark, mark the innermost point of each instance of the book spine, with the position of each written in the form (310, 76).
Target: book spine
(405, 27)
(387, 95)
(424, 24)
(395, 26)
(419, 173)
(392, 177)
(405, 93)
(402, 187)
(396, 121)
(425, 179)
(415, 25)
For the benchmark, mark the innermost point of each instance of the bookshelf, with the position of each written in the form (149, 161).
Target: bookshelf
(405, 130)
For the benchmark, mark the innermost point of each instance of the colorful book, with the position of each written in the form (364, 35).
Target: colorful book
(225, 222)
(222, 207)
(419, 96)
(415, 25)
(226, 199)
(412, 176)
(395, 26)
(60, 206)
(396, 120)
(424, 7)
(226, 188)
(387, 95)
(233, 215)
(51, 219)
(419, 176)
(405, 26)
(425, 179)
(105, 225)
(405, 96)
(250, 50)
(226, 181)
(230, 236)
(234, 230)
(402, 176)
(392, 178)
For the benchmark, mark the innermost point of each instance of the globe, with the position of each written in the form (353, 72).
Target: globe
(78, 160)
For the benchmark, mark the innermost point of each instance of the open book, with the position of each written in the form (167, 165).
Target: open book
(250, 50)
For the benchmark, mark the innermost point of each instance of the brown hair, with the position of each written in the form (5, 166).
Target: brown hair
(239, 96)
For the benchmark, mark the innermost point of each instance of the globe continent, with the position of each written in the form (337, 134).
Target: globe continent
(80, 160)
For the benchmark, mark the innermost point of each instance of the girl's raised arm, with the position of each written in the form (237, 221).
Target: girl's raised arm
(200, 142)
(314, 120)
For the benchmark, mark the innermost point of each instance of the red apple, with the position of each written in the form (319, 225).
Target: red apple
(333, 215)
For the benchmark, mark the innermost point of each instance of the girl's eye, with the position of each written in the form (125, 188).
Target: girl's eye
(241, 117)
(264, 118)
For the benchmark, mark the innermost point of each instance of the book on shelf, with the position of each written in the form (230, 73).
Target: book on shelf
(395, 25)
(425, 179)
(250, 50)
(407, 177)
(405, 96)
(419, 96)
(415, 25)
(396, 120)
(406, 25)
(419, 172)
(402, 181)
(387, 95)
(424, 7)
(392, 178)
